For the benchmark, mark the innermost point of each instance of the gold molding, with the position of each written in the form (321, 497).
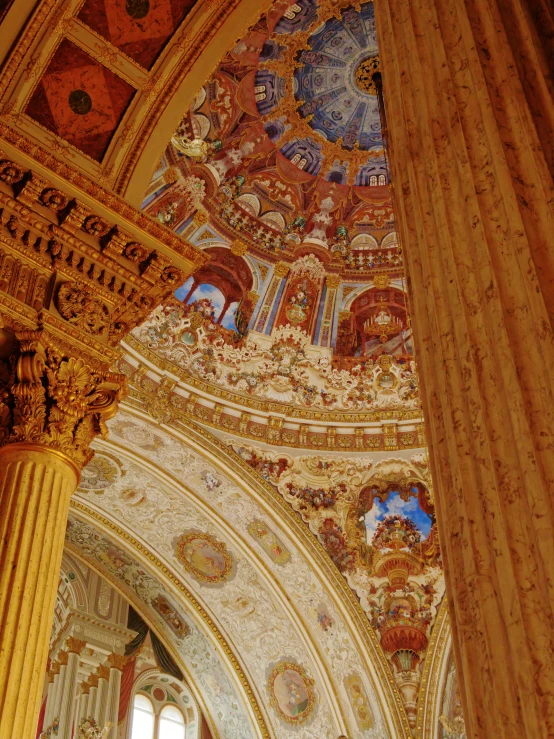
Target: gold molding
(292, 415)
(428, 699)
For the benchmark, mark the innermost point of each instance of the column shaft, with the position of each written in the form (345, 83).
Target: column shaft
(91, 707)
(59, 694)
(102, 699)
(67, 703)
(112, 708)
(35, 487)
(468, 97)
(83, 707)
(50, 701)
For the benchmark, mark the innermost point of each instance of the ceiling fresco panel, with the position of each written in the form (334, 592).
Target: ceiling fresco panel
(80, 100)
(138, 28)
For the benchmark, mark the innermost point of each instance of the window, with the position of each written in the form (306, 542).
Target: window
(143, 718)
(292, 11)
(172, 723)
(169, 724)
(373, 180)
(382, 179)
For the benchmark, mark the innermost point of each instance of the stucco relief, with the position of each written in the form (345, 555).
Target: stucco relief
(283, 368)
(376, 520)
(192, 646)
(248, 610)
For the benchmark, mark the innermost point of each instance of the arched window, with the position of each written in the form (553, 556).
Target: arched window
(292, 11)
(172, 723)
(382, 179)
(143, 718)
(373, 180)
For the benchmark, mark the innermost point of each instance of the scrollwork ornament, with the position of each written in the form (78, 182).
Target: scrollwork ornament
(82, 308)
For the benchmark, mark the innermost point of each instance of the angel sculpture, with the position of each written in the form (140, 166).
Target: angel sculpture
(455, 728)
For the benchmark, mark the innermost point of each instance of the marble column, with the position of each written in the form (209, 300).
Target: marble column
(468, 98)
(63, 658)
(83, 702)
(52, 688)
(67, 703)
(117, 663)
(51, 407)
(92, 696)
(103, 673)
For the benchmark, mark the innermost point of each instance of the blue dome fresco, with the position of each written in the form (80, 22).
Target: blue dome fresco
(330, 98)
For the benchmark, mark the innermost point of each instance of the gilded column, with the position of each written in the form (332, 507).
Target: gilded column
(67, 703)
(51, 407)
(117, 663)
(82, 279)
(468, 97)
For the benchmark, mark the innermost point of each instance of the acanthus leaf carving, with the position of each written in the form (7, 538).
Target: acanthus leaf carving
(51, 399)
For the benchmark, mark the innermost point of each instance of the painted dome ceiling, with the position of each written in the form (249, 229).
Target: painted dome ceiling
(278, 172)
(313, 96)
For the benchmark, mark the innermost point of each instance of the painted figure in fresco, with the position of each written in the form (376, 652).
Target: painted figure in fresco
(167, 215)
(204, 558)
(291, 693)
(298, 304)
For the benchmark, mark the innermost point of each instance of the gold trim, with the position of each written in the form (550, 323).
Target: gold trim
(428, 697)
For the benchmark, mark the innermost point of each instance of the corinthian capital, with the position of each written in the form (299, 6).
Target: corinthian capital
(51, 399)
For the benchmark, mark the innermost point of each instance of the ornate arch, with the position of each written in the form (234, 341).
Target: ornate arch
(267, 508)
(112, 535)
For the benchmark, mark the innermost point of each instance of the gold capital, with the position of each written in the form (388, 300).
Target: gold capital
(103, 672)
(75, 645)
(93, 680)
(118, 661)
(281, 269)
(48, 398)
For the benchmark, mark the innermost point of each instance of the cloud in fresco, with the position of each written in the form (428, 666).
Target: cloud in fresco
(213, 294)
(395, 505)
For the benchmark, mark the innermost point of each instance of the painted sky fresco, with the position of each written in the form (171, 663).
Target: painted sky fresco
(213, 294)
(395, 505)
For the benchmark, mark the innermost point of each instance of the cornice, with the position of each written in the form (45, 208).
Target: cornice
(275, 423)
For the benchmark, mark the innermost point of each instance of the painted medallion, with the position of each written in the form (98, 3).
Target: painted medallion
(291, 692)
(204, 557)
